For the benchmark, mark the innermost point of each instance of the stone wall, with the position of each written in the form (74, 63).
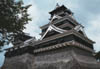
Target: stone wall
(55, 59)
(24, 61)
(63, 58)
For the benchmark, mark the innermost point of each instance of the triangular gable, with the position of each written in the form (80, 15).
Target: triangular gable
(80, 29)
(52, 27)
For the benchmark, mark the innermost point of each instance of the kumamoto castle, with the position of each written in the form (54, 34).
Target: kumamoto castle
(63, 45)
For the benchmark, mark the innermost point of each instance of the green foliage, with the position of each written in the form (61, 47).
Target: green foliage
(97, 56)
(13, 18)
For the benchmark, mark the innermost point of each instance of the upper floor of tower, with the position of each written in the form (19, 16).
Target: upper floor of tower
(60, 11)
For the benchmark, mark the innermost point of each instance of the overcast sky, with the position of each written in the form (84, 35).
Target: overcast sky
(86, 12)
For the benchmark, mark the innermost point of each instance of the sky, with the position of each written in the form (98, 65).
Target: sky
(86, 12)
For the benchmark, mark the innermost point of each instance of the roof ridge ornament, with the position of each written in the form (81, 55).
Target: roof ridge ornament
(57, 5)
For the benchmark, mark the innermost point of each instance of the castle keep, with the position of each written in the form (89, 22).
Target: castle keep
(63, 45)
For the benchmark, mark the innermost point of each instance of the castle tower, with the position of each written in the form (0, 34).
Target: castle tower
(64, 44)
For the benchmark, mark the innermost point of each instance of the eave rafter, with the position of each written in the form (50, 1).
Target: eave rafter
(65, 44)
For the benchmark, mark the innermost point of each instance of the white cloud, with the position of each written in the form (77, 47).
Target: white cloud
(93, 31)
(33, 27)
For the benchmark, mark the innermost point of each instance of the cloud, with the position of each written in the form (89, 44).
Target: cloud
(91, 6)
(93, 31)
(33, 27)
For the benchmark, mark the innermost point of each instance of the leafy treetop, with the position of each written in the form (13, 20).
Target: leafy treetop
(13, 18)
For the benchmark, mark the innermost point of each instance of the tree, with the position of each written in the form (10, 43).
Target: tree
(97, 55)
(13, 18)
